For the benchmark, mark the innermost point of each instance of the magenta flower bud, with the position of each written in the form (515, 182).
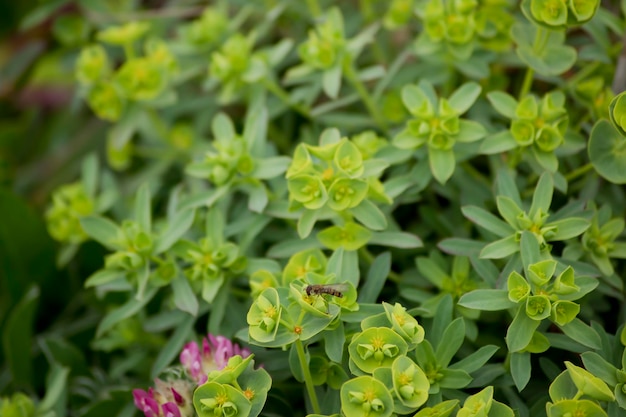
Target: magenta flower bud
(145, 402)
(170, 410)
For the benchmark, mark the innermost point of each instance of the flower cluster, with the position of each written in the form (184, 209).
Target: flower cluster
(558, 13)
(450, 23)
(173, 397)
(538, 125)
(437, 124)
(145, 78)
(335, 177)
(211, 356)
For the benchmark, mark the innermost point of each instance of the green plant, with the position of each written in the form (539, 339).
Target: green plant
(370, 208)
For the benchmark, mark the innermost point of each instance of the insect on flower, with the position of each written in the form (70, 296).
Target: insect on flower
(335, 290)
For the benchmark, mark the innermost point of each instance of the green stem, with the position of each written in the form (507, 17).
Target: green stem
(358, 85)
(308, 380)
(528, 81)
(279, 92)
(578, 172)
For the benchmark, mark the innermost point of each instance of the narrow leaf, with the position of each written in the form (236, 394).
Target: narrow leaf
(465, 96)
(400, 240)
(376, 277)
(520, 369)
(102, 230)
(520, 331)
(143, 210)
(176, 228)
(486, 299)
(487, 220)
(542, 198)
(370, 215)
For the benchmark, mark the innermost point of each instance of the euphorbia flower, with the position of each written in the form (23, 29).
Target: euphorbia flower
(216, 350)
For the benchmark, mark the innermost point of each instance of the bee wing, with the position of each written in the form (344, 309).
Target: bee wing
(338, 287)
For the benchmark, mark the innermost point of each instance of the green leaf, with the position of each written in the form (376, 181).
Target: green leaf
(223, 128)
(376, 278)
(520, 369)
(598, 366)
(290, 247)
(542, 197)
(345, 265)
(474, 361)
(470, 131)
(500, 248)
(56, 391)
(451, 340)
(176, 227)
(402, 240)
(270, 167)
(487, 300)
(370, 215)
(104, 276)
(129, 309)
(606, 152)
(505, 186)
(529, 249)
(498, 143)
(306, 223)
(334, 341)
(90, 175)
(581, 333)
(460, 246)
(331, 81)
(184, 297)
(454, 378)
(464, 97)
(17, 339)
(432, 271)
(102, 230)
(509, 210)
(143, 209)
(520, 331)
(503, 103)
(553, 58)
(568, 228)
(487, 220)
(442, 164)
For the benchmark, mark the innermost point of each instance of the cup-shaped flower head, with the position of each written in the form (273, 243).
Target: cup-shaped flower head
(141, 79)
(69, 203)
(409, 382)
(124, 34)
(404, 324)
(216, 400)
(589, 384)
(212, 355)
(518, 287)
(106, 100)
(559, 13)
(264, 316)
(617, 112)
(376, 347)
(325, 44)
(366, 397)
(566, 408)
(92, 64)
(538, 307)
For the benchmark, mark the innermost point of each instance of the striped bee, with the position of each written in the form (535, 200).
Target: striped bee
(335, 290)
